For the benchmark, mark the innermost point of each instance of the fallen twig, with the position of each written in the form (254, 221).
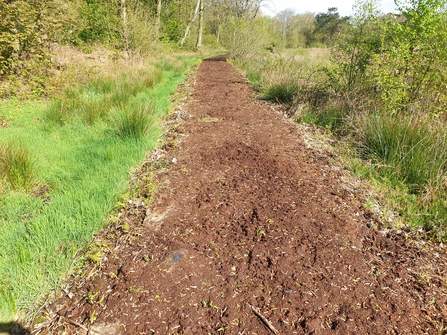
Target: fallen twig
(89, 330)
(263, 319)
(77, 324)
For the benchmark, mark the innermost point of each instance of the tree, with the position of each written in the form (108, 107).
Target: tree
(246, 8)
(125, 23)
(200, 30)
(141, 33)
(26, 27)
(102, 22)
(359, 42)
(157, 20)
(218, 18)
(285, 20)
(296, 30)
(192, 18)
(245, 38)
(328, 25)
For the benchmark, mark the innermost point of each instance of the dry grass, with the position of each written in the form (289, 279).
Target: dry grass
(310, 57)
(73, 66)
(286, 75)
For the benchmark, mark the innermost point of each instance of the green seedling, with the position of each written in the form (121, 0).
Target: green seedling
(91, 297)
(92, 317)
(134, 289)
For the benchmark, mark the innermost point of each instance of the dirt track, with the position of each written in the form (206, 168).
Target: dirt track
(248, 224)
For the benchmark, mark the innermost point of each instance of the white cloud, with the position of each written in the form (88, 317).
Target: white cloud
(318, 6)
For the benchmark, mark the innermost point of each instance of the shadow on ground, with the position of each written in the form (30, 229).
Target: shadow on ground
(13, 328)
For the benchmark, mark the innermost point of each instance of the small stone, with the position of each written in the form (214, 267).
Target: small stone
(369, 224)
(174, 160)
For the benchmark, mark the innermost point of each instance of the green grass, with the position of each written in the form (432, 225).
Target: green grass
(405, 158)
(412, 154)
(283, 92)
(135, 120)
(408, 151)
(81, 168)
(330, 118)
(16, 166)
(94, 101)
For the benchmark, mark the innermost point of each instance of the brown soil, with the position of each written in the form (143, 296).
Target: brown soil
(249, 232)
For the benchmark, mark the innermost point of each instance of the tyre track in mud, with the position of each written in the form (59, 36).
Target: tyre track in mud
(247, 218)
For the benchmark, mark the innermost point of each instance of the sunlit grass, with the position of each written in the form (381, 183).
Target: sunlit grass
(16, 166)
(96, 100)
(413, 153)
(82, 164)
(135, 120)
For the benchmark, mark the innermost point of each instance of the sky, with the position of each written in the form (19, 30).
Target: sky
(318, 6)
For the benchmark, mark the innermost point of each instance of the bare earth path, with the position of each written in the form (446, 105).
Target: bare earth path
(250, 233)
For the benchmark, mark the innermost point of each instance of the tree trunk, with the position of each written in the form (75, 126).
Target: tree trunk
(218, 35)
(190, 23)
(200, 33)
(179, 10)
(125, 25)
(158, 20)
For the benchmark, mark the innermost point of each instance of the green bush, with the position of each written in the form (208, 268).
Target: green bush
(409, 72)
(100, 22)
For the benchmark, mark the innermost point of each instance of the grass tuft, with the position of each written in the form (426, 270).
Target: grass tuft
(16, 166)
(283, 92)
(406, 150)
(135, 121)
(331, 118)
